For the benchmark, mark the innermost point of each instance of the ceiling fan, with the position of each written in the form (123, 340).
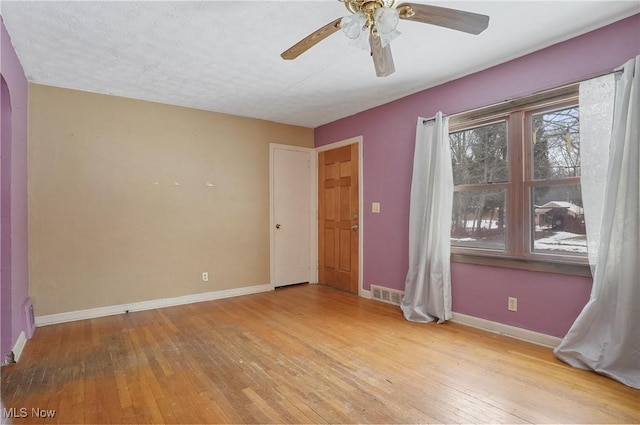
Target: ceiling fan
(372, 25)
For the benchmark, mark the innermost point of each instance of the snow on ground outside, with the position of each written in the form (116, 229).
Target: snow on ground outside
(463, 239)
(559, 241)
(563, 241)
(484, 224)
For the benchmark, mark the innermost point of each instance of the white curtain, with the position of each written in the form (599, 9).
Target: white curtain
(606, 335)
(427, 295)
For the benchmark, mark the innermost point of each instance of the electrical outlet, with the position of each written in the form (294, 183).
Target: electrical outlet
(512, 304)
(205, 277)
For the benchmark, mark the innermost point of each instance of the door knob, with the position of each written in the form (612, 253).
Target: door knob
(278, 226)
(354, 227)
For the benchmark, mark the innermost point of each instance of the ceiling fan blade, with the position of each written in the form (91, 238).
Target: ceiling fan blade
(311, 40)
(460, 20)
(382, 58)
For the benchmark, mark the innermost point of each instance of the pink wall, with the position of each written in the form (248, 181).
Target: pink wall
(15, 279)
(547, 303)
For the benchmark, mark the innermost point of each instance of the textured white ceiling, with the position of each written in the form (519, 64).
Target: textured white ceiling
(224, 56)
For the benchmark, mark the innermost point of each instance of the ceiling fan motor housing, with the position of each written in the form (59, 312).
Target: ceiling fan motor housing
(368, 7)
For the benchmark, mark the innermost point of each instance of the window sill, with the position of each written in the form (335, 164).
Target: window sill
(534, 265)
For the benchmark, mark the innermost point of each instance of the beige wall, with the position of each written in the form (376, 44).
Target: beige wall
(119, 206)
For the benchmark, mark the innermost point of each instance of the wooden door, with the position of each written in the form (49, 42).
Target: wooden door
(338, 220)
(291, 215)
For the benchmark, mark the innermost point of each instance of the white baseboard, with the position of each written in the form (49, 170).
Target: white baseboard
(507, 330)
(365, 293)
(51, 319)
(19, 346)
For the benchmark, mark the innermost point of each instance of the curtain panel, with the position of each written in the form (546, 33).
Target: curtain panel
(606, 335)
(427, 295)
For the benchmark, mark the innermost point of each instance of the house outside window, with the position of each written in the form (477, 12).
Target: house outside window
(517, 197)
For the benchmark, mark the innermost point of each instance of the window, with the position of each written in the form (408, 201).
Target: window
(481, 177)
(516, 171)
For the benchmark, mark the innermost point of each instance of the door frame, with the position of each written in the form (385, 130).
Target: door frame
(313, 244)
(314, 235)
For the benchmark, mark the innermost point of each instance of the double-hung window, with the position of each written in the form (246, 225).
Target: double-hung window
(517, 200)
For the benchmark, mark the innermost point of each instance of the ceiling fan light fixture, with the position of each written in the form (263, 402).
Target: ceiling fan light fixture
(385, 39)
(386, 19)
(362, 42)
(352, 25)
(381, 23)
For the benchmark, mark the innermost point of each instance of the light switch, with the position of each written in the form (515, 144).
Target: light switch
(375, 207)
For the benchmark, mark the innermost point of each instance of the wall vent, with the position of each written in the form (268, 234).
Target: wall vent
(387, 295)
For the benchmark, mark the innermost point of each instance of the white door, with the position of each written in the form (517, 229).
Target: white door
(291, 201)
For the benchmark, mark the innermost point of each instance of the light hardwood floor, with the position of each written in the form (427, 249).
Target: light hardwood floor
(305, 354)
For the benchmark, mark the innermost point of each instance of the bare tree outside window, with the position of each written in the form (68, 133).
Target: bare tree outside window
(558, 217)
(556, 144)
(478, 219)
(480, 158)
(479, 154)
